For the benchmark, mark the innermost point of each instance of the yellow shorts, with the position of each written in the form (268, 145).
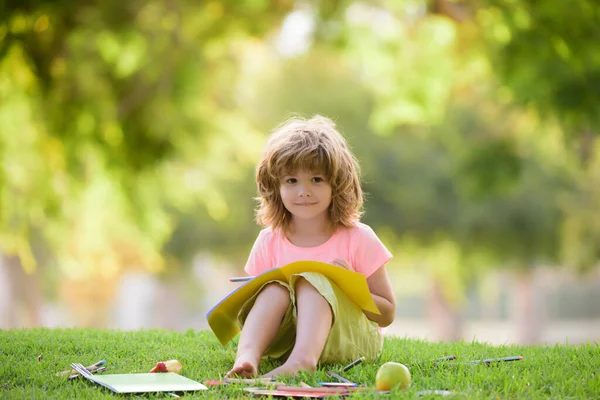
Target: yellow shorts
(352, 334)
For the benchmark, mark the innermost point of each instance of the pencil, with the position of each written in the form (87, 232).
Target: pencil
(250, 381)
(94, 371)
(240, 279)
(353, 364)
(327, 390)
(339, 378)
(90, 368)
(445, 358)
(96, 365)
(491, 360)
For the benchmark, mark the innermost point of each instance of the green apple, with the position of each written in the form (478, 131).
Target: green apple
(392, 375)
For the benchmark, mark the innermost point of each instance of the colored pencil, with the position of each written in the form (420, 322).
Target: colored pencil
(326, 390)
(90, 368)
(337, 384)
(240, 279)
(94, 371)
(491, 360)
(250, 381)
(338, 377)
(353, 364)
(445, 358)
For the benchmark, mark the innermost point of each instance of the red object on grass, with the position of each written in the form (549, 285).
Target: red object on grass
(168, 366)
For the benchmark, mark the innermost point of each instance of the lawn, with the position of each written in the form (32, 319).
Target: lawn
(563, 372)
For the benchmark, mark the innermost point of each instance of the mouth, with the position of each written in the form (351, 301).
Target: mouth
(305, 204)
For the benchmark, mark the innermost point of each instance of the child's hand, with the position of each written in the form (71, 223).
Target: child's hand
(342, 263)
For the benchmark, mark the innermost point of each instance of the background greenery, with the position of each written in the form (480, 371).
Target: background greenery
(129, 132)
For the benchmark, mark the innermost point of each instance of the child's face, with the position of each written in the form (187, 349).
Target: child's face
(306, 195)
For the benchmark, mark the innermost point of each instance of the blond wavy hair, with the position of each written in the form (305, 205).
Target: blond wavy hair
(314, 145)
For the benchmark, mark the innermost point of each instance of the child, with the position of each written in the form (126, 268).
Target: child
(310, 202)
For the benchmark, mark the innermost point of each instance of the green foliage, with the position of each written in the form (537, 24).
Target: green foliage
(409, 68)
(543, 372)
(129, 130)
(114, 140)
(546, 54)
(581, 225)
(490, 167)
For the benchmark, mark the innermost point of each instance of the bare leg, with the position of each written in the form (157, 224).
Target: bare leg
(313, 326)
(260, 329)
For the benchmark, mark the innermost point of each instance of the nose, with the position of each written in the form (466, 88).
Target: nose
(304, 190)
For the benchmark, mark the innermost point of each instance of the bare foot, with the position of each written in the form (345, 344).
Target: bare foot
(245, 366)
(290, 369)
(244, 370)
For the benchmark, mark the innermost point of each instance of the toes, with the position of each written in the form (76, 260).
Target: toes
(245, 370)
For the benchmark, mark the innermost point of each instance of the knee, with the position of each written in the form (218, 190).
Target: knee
(306, 293)
(275, 292)
(304, 285)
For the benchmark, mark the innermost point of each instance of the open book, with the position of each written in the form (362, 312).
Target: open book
(223, 318)
(146, 383)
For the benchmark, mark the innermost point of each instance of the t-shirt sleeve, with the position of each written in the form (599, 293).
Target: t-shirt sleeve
(257, 260)
(370, 252)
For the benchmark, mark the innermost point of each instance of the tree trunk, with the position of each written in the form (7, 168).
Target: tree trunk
(446, 318)
(89, 300)
(8, 297)
(24, 298)
(169, 308)
(453, 10)
(527, 309)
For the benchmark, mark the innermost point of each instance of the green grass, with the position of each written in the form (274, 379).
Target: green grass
(545, 372)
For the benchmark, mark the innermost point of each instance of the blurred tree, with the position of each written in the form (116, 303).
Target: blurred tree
(129, 130)
(427, 71)
(464, 172)
(121, 117)
(545, 55)
(426, 179)
(581, 226)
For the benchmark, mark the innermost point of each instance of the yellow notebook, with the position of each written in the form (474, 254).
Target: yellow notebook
(223, 318)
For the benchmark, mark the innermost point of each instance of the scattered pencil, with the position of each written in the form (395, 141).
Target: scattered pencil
(243, 381)
(338, 377)
(94, 371)
(250, 381)
(353, 364)
(491, 360)
(325, 390)
(91, 368)
(337, 384)
(434, 392)
(240, 279)
(445, 358)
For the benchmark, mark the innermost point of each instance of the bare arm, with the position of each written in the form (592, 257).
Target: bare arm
(382, 292)
(383, 295)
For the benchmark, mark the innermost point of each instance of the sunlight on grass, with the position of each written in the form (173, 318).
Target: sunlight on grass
(557, 372)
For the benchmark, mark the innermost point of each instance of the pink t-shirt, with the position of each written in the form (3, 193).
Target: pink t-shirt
(359, 246)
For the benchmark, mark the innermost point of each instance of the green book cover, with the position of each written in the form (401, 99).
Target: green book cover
(144, 383)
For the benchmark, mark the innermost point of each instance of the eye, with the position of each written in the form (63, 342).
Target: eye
(291, 180)
(318, 179)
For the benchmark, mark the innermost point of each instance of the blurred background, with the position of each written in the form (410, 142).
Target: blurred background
(129, 133)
